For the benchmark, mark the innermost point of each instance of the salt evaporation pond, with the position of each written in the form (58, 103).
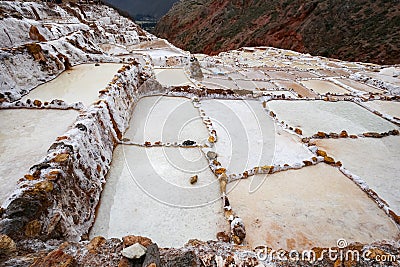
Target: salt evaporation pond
(389, 75)
(148, 193)
(304, 74)
(311, 207)
(315, 116)
(289, 149)
(323, 87)
(247, 138)
(359, 86)
(245, 134)
(376, 161)
(254, 74)
(261, 85)
(385, 107)
(246, 84)
(80, 84)
(166, 119)
(223, 83)
(280, 75)
(172, 77)
(301, 90)
(25, 136)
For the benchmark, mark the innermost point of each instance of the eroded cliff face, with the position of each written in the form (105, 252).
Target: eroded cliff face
(350, 30)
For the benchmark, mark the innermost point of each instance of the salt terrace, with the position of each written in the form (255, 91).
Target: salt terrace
(280, 145)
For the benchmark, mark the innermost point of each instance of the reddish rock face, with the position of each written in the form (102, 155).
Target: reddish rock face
(350, 30)
(55, 258)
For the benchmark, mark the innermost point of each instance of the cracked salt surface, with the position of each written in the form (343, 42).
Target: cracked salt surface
(166, 119)
(376, 161)
(25, 136)
(80, 84)
(313, 206)
(146, 189)
(315, 116)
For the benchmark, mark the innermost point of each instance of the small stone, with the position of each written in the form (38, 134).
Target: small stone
(373, 135)
(236, 240)
(223, 180)
(152, 257)
(29, 177)
(353, 136)
(61, 158)
(147, 143)
(97, 64)
(239, 231)
(33, 229)
(188, 143)
(272, 114)
(53, 175)
(132, 239)
(193, 179)
(329, 160)
(307, 163)
(135, 251)
(394, 132)
(321, 134)
(267, 168)
(220, 171)
(55, 258)
(321, 153)
(343, 134)
(298, 131)
(7, 245)
(46, 186)
(216, 163)
(211, 155)
(95, 243)
(211, 139)
(60, 138)
(334, 135)
(124, 262)
(224, 237)
(81, 127)
(37, 103)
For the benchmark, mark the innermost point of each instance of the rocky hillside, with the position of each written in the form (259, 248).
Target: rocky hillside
(44, 39)
(359, 30)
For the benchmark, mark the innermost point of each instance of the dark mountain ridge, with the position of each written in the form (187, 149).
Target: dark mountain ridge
(141, 8)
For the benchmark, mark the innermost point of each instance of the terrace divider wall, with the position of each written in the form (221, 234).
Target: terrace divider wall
(58, 197)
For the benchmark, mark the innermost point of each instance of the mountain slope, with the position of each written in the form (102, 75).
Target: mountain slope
(357, 30)
(155, 8)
